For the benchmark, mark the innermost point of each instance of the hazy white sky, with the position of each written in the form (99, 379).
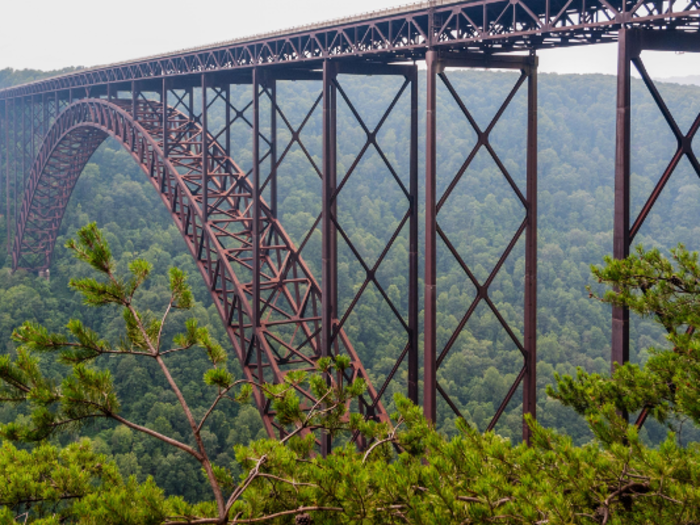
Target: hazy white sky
(51, 34)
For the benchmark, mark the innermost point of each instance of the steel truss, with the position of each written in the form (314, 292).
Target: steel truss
(277, 316)
(275, 313)
(434, 357)
(490, 25)
(631, 44)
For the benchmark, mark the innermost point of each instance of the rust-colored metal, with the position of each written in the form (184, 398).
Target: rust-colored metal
(621, 241)
(430, 295)
(404, 33)
(278, 317)
(530, 310)
(414, 260)
(434, 357)
(630, 45)
(223, 246)
(6, 126)
(329, 261)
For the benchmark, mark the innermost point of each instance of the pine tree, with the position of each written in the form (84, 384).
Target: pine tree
(407, 473)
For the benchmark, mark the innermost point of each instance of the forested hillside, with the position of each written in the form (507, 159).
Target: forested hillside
(576, 160)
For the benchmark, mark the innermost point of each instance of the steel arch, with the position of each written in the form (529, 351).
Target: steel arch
(219, 238)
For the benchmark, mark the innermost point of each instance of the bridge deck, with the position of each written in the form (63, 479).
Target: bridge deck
(397, 34)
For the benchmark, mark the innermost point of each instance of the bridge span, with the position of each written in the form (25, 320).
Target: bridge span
(278, 316)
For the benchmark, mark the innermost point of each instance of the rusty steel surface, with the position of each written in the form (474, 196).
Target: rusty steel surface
(279, 333)
(404, 34)
(277, 315)
(631, 44)
(434, 355)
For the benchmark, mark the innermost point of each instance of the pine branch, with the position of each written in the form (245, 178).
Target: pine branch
(299, 510)
(252, 474)
(157, 435)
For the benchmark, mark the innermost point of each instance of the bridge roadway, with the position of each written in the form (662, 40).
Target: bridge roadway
(277, 315)
(403, 33)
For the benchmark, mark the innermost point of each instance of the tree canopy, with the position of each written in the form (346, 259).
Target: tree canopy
(409, 472)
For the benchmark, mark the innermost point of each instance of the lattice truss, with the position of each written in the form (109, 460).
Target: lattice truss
(62, 163)
(482, 287)
(406, 33)
(216, 220)
(684, 147)
(404, 319)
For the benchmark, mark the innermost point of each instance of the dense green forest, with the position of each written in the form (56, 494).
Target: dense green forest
(576, 159)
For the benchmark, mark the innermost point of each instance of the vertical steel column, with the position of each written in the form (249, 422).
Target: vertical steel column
(333, 185)
(45, 116)
(413, 246)
(272, 86)
(24, 142)
(133, 99)
(227, 133)
(14, 156)
(205, 153)
(621, 227)
(164, 102)
(430, 298)
(255, 236)
(7, 175)
(530, 314)
(329, 241)
(32, 110)
(3, 151)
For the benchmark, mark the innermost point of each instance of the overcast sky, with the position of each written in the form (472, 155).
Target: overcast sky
(51, 34)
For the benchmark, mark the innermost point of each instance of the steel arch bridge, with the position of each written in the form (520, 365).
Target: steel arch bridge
(278, 316)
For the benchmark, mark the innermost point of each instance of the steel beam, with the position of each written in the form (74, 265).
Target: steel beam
(398, 35)
(430, 282)
(530, 313)
(23, 106)
(164, 102)
(205, 150)
(630, 46)
(328, 230)
(621, 224)
(255, 230)
(527, 65)
(3, 155)
(134, 96)
(8, 222)
(14, 156)
(413, 262)
(227, 133)
(271, 84)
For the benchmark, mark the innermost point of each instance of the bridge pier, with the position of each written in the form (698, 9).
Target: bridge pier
(437, 63)
(631, 43)
(333, 232)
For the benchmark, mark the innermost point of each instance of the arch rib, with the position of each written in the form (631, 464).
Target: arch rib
(289, 335)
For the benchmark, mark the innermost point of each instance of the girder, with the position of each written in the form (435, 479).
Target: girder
(277, 316)
(400, 34)
(218, 231)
